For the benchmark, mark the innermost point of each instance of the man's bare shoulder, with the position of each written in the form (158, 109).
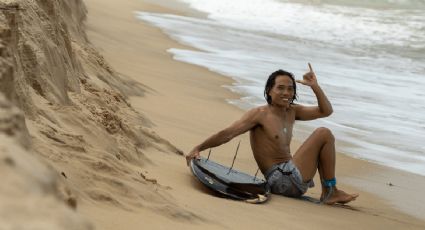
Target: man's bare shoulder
(258, 112)
(297, 107)
(259, 109)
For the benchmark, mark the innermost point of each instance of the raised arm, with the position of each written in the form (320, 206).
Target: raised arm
(248, 121)
(323, 108)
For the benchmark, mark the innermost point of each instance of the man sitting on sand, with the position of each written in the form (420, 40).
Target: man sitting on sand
(270, 129)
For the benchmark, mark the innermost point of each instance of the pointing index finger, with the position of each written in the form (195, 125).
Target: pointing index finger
(309, 66)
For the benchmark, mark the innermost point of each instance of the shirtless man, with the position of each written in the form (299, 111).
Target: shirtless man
(270, 129)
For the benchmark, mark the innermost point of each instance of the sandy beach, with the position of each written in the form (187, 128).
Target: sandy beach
(187, 103)
(107, 148)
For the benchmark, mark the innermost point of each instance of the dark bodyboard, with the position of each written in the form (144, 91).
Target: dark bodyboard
(229, 182)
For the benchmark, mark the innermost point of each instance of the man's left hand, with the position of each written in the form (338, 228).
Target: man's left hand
(309, 78)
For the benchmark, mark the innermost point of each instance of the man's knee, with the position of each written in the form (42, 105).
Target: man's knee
(325, 133)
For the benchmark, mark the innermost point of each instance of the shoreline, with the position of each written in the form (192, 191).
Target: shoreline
(364, 128)
(180, 107)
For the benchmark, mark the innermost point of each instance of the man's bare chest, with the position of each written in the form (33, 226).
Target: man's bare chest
(279, 128)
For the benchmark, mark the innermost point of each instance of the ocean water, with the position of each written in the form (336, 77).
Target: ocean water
(369, 57)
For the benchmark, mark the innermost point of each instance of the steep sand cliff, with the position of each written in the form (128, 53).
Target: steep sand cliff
(67, 131)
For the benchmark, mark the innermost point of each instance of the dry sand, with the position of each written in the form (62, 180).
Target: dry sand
(186, 104)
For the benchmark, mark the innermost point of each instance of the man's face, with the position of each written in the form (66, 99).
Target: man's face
(282, 91)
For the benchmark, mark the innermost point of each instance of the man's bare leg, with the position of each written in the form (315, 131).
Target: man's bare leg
(318, 153)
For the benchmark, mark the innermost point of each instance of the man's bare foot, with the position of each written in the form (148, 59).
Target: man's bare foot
(338, 196)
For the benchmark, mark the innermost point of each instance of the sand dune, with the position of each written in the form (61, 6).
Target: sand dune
(76, 115)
